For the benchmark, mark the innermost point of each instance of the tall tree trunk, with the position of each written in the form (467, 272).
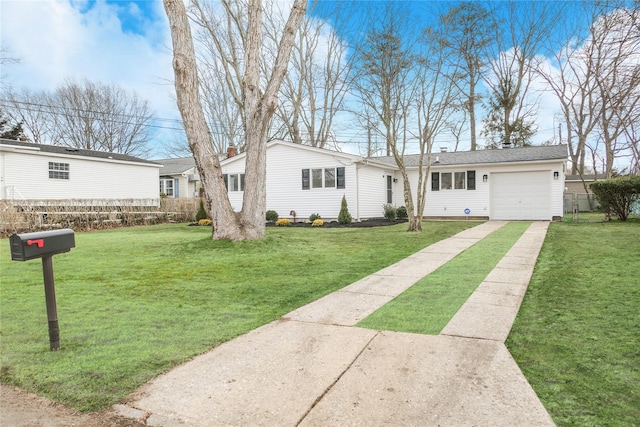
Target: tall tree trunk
(257, 106)
(224, 219)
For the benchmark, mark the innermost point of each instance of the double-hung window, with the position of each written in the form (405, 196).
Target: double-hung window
(58, 170)
(453, 180)
(234, 181)
(323, 178)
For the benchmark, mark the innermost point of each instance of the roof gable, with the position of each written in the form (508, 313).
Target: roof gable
(176, 166)
(293, 145)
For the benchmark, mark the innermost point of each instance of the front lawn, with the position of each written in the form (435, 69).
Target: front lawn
(133, 303)
(577, 335)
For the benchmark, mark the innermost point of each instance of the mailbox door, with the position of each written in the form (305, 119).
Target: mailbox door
(36, 245)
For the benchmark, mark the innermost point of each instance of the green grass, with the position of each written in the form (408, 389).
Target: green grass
(577, 335)
(133, 303)
(427, 306)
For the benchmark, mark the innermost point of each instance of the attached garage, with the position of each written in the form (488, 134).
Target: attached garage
(520, 196)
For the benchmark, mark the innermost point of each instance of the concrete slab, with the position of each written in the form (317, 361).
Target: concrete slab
(520, 276)
(493, 298)
(421, 380)
(418, 266)
(482, 230)
(502, 288)
(482, 321)
(339, 308)
(378, 284)
(270, 376)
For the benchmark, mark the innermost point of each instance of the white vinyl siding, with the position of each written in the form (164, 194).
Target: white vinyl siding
(285, 181)
(89, 178)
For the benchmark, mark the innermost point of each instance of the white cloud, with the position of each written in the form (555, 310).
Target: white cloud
(55, 40)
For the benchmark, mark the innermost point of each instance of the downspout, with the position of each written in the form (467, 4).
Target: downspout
(357, 192)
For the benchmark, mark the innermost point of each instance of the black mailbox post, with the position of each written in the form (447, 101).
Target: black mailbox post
(44, 245)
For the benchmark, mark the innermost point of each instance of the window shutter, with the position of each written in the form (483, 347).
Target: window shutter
(340, 178)
(226, 181)
(435, 181)
(305, 179)
(241, 182)
(471, 180)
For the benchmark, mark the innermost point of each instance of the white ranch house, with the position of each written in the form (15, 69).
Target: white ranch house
(179, 178)
(501, 184)
(49, 172)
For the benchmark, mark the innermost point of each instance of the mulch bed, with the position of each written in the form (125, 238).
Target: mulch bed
(375, 222)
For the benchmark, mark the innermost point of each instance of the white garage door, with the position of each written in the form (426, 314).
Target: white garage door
(520, 196)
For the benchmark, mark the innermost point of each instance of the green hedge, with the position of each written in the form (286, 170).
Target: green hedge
(617, 195)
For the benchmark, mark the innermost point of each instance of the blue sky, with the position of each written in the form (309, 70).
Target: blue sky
(116, 41)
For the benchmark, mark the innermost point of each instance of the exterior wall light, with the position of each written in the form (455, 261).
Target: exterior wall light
(556, 174)
(485, 177)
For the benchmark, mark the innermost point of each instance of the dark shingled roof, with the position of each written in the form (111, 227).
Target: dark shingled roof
(80, 152)
(504, 155)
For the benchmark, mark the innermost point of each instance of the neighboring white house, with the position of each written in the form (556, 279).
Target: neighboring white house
(179, 177)
(503, 184)
(47, 172)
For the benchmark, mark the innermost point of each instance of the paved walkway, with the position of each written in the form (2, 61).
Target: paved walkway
(313, 367)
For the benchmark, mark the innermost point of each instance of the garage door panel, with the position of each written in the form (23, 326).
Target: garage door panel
(520, 196)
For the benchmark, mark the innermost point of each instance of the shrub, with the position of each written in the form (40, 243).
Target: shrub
(204, 222)
(401, 213)
(272, 216)
(389, 212)
(202, 213)
(616, 195)
(344, 217)
(317, 223)
(283, 222)
(314, 216)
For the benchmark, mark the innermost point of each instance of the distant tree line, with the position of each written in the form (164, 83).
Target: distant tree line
(81, 114)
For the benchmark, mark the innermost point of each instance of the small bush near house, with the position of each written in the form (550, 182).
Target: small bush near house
(283, 222)
(202, 213)
(401, 213)
(314, 216)
(204, 222)
(272, 216)
(344, 217)
(389, 212)
(617, 195)
(317, 223)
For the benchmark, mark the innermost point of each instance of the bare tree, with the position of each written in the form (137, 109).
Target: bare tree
(386, 63)
(85, 114)
(519, 36)
(100, 117)
(34, 110)
(435, 102)
(404, 84)
(220, 36)
(616, 59)
(258, 100)
(315, 86)
(6, 59)
(468, 30)
(595, 77)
